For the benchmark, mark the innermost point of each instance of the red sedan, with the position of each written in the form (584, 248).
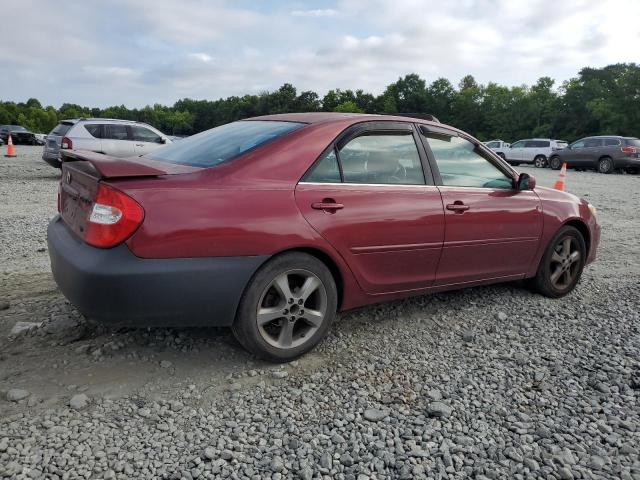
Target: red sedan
(271, 225)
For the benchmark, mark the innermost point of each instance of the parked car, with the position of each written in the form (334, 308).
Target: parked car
(41, 138)
(19, 135)
(536, 151)
(271, 225)
(498, 146)
(117, 138)
(604, 154)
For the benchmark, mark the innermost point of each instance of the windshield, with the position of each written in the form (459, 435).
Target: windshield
(223, 143)
(16, 128)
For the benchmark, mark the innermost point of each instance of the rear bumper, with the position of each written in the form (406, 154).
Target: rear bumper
(114, 286)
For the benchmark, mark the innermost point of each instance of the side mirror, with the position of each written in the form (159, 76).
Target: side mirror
(163, 140)
(526, 182)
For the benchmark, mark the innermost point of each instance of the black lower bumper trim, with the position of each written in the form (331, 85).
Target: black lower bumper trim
(115, 286)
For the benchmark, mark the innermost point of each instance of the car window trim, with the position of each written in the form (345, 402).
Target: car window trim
(489, 156)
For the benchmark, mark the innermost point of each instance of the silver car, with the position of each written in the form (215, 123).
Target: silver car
(536, 151)
(118, 138)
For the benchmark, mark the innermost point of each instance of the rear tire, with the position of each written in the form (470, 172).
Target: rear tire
(562, 264)
(287, 307)
(605, 165)
(540, 161)
(555, 163)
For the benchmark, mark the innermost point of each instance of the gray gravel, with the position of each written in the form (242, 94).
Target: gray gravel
(485, 383)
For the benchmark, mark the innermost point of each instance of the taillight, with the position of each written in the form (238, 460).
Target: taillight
(66, 143)
(114, 217)
(629, 149)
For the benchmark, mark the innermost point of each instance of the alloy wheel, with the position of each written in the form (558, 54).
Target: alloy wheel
(291, 309)
(540, 162)
(604, 165)
(565, 263)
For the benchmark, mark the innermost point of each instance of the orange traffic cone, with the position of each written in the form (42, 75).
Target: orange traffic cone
(559, 185)
(10, 150)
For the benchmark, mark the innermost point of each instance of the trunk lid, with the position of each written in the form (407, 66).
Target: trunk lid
(80, 179)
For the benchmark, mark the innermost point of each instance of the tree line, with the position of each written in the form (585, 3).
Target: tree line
(597, 101)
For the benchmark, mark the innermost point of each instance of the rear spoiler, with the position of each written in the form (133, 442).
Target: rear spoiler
(112, 167)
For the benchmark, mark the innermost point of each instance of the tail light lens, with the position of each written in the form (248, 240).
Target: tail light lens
(629, 149)
(114, 217)
(66, 143)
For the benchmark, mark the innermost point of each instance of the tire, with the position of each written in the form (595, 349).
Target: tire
(605, 165)
(501, 155)
(515, 164)
(287, 330)
(555, 163)
(568, 243)
(540, 161)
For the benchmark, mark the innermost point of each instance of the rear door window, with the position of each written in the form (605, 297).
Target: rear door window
(117, 132)
(143, 134)
(382, 158)
(611, 142)
(461, 164)
(592, 143)
(326, 170)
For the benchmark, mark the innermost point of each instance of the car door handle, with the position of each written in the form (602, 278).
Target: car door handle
(139, 144)
(328, 205)
(458, 207)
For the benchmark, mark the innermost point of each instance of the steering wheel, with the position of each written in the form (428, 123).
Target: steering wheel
(400, 173)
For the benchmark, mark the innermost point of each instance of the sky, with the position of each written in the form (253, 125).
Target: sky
(136, 53)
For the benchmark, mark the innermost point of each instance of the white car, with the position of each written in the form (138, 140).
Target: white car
(118, 138)
(498, 146)
(536, 151)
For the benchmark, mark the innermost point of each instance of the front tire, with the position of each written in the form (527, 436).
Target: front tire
(605, 165)
(562, 263)
(555, 163)
(540, 161)
(287, 307)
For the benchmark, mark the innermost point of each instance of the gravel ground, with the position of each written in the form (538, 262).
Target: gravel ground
(491, 382)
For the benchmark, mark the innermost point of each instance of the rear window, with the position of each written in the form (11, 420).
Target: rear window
(223, 143)
(61, 129)
(94, 129)
(634, 142)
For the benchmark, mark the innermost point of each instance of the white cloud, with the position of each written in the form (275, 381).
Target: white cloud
(326, 12)
(203, 57)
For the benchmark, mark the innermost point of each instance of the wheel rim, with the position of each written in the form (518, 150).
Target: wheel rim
(565, 263)
(539, 162)
(291, 309)
(605, 165)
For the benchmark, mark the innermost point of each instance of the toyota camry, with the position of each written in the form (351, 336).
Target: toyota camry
(271, 225)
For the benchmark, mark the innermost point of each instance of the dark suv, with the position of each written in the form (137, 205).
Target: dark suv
(603, 153)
